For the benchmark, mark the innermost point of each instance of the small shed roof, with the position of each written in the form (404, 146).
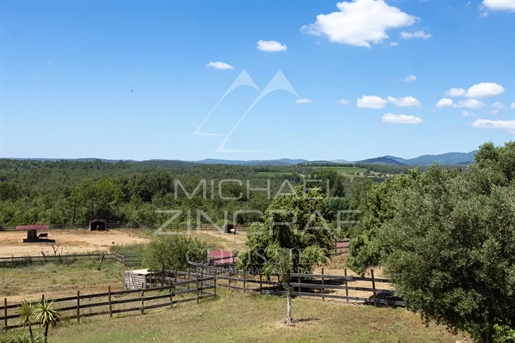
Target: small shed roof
(222, 257)
(33, 227)
(341, 245)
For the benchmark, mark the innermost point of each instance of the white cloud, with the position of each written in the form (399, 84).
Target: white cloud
(467, 114)
(454, 92)
(470, 103)
(344, 101)
(359, 22)
(394, 43)
(484, 89)
(271, 46)
(498, 106)
(400, 119)
(417, 34)
(512, 106)
(219, 65)
(444, 102)
(508, 125)
(404, 102)
(371, 101)
(303, 101)
(410, 78)
(499, 5)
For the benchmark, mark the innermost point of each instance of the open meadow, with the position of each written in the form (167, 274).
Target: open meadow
(231, 316)
(239, 317)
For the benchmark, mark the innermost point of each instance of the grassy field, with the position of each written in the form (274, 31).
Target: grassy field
(29, 283)
(345, 170)
(239, 317)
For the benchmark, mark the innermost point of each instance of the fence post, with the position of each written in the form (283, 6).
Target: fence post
(188, 284)
(298, 279)
(5, 313)
(214, 281)
(201, 280)
(323, 289)
(110, 305)
(78, 306)
(171, 295)
(346, 284)
(373, 286)
(260, 282)
(230, 280)
(244, 281)
(197, 288)
(142, 301)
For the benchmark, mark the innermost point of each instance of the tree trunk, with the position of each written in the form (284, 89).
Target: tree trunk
(31, 334)
(45, 339)
(486, 336)
(288, 307)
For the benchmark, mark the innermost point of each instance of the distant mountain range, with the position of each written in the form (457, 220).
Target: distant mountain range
(450, 158)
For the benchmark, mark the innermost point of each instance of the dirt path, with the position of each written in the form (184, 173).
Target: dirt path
(71, 241)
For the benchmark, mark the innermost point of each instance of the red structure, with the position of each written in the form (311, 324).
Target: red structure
(221, 257)
(32, 233)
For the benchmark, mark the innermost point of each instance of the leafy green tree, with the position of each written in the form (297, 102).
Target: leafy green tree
(174, 252)
(46, 315)
(450, 249)
(293, 222)
(365, 248)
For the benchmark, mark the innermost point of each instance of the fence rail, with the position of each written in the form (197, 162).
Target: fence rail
(355, 288)
(195, 288)
(16, 261)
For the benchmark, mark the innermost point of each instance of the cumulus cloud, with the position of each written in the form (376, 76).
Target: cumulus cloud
(219, 65)
(371, 101)
(271, 46)
(400, 119)
(454, 92)
(344, 101)
(470, 103)
(410, 78)
(508, 125)
(394, 43)
(467, 114)
(416, 34)
(359, 22)
(499, 5)
(303, 101)
(444, 102)
(484, 89)
(512, 106)
(498, 106)
(403, 102)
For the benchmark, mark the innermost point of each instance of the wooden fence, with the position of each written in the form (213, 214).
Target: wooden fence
(182, 287)
(17, 261)
(335, 287)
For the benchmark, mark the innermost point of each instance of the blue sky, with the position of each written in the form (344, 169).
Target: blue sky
(358, 79)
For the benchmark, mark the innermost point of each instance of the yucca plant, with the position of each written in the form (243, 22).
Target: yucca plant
(26, 317)
(45, 314)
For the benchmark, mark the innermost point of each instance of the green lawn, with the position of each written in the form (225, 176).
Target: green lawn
(240, 317)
